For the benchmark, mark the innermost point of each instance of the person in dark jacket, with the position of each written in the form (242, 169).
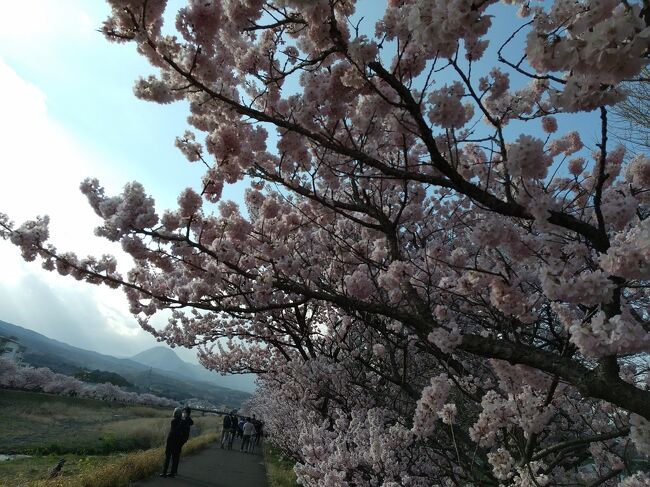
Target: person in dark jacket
(186, 424)
(174, 444)
(258, 429)
(226, 429)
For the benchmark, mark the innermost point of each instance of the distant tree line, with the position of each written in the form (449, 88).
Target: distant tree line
(102, 377)
(42, 379)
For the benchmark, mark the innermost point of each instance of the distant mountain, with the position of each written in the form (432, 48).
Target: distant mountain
(164, 358)
(42, 351)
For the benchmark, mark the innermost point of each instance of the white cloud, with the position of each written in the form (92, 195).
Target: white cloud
(43, 165)
(42, 168)
(45, 20)
(112, 306)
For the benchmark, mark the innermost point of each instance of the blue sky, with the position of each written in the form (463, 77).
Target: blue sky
(68, 112)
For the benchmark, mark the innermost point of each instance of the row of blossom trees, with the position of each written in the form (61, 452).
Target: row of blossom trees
(435, 285)
(42, 379)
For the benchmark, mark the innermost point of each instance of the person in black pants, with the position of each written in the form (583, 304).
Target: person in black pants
(174, 444)
(186, 424)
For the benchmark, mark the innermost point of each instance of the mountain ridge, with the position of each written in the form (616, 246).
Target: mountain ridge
(160, 354)
(42, 351)
(166, 359)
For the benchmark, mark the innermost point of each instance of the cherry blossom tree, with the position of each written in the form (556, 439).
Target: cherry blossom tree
(435, 284)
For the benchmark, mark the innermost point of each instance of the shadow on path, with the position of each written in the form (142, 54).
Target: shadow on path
(214, 467)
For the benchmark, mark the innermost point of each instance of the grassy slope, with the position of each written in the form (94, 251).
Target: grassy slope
(21, 472)
(279, 470)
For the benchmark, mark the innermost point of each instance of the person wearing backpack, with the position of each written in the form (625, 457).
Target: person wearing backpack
(226, 429)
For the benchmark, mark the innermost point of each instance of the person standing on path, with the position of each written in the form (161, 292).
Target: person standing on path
(258, 431)
(247, 430)
(214, 467)
(174, 444)
(226, 430)
(234, 429)
(186, 424)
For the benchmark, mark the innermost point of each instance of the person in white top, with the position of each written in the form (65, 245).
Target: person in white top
(249, 431)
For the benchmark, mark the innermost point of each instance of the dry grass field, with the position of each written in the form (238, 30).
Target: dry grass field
(35, 423)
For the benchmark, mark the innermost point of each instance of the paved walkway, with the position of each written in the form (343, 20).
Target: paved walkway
(214, 467)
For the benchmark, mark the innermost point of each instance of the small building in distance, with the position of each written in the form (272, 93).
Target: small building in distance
(11, 349)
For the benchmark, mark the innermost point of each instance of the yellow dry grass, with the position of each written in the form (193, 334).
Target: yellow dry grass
(119, 471)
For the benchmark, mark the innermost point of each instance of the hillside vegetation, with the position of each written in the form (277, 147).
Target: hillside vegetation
(102, 377)
(279, 469)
